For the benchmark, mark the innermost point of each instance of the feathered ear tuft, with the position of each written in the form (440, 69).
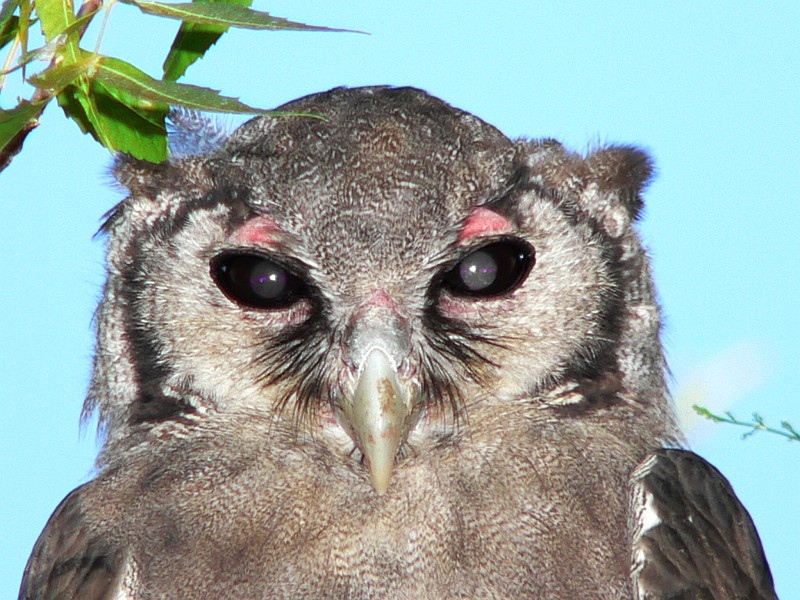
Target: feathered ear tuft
(622, 171)
(145, 180)
(607, 184)
(142, 178)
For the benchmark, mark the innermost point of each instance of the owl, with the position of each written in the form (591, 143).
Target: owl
(380, 350)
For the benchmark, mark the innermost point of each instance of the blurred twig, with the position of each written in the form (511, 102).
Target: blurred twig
(757, 424)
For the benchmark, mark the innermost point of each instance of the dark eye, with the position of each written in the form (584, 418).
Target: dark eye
(256, 282)
(492, 270)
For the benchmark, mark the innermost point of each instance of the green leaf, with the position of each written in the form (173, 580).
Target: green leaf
(223, 15)
(73, 100)
(7, 10)
(114, 124)
(80, 24)
(142, 134)
(21, 118)
(191, 43)
(8, 30)
(125, 78)
(147, 108)
(55, 79)
(55, 16)
(9, 23)
(25, 22)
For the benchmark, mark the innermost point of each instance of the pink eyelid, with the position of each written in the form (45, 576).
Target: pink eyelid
(480, 221)
(261, 231)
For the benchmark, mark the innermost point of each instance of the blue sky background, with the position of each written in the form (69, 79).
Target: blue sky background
(712, 89)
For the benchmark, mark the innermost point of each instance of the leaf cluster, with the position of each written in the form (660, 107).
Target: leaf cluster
(122, 107)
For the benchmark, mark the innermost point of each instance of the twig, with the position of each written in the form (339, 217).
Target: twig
(756, 425)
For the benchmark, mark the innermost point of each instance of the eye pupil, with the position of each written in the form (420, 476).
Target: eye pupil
(478, 271)
(255, 281)
(268, 280)
(493, 270)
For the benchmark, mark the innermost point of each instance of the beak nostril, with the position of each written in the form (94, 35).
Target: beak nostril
(377, 321)
(388, 335)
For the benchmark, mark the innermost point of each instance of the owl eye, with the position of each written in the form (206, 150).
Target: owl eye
(255, 281)
(493, 270)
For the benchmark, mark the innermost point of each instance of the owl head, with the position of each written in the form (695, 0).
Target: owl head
(375, 278)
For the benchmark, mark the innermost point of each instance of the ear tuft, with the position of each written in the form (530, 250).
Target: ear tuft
(622, 171)
(140, 177)
(149, 180)
(607, 184)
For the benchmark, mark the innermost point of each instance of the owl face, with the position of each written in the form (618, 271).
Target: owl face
(367, 278)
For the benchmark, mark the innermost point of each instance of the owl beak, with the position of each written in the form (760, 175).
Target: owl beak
(378, 415)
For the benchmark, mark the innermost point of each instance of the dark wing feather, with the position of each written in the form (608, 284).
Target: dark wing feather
(692, 538)
(68, 563)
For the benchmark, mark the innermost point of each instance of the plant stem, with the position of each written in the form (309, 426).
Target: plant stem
(756, 425)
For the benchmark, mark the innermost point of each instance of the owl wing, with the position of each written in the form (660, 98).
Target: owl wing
(692, 538)
(67, 562)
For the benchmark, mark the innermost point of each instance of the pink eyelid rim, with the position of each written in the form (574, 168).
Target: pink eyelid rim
(481, 221)
(260, 231)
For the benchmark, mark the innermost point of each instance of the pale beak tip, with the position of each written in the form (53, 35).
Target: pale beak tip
(380, 484)
(380, 459)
